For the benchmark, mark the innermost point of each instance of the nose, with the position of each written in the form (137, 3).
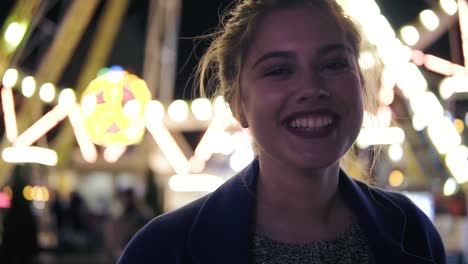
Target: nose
(311, 87)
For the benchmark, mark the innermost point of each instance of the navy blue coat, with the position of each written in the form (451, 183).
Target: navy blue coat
(218, 228)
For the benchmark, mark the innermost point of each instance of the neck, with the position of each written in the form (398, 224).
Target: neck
(306, 203)
(305, 191)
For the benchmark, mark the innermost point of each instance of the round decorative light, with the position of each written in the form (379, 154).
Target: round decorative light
(113, 106)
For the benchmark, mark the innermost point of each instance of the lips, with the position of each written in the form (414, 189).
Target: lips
(312, 124)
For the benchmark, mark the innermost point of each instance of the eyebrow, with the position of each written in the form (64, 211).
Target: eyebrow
(287, 54)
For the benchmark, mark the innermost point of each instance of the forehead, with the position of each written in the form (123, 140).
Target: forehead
(311, 27)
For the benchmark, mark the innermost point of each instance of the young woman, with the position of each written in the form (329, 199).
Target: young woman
(289, 71)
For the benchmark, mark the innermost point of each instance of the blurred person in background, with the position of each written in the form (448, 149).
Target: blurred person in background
(19, 243)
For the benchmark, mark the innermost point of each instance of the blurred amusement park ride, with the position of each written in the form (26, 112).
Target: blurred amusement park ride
(114, 120)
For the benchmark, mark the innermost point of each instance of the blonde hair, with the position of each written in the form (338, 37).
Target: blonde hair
(218, 73)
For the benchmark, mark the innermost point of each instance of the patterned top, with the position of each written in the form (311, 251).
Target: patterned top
(350, 247)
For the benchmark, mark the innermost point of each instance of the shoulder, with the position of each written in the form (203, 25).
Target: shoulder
(164, 237)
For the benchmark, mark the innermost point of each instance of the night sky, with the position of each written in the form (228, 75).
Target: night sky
(197, 18)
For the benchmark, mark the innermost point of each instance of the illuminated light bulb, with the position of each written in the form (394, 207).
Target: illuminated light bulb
(113, 153)
(27, 192)
(154, 111)
(443, 135)
(132, 109)
(169, 147)
(201, 109)
(221, 108)
(87, 148)
(196, 165)
(453, 84)
(194, 183)
(9, 114)
(240, 159)
(28, 86)
(429, 19)
(178, 111)
(380, 136)
(459, 125)
(419, 122)
(67, 98)
(450, 187)
(410, 35)
(135, 130)
(47, 92)
(449, 6)
(386, 96)
(418, 57)
(14, 34)
(10, 77)
(396, 178)
(30, 155)
(410, 80)
(88, 104)
(366, 60)
(456, 162)
(395, 152)
(115, 74)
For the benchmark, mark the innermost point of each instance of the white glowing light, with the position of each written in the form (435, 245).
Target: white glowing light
(168, 146)
(201, 109)
(410, 80)
(10, 77)
(449, 6)
(132, 109)
(14, 34)
(47, 92)
(453, 84)
(429, 19)
(240, 159)
(178, 111)
(380, 136)
(395, 152)
(113, 153)
(88, 104)
(457, 162)
(450, 187)
(221, 108)
(154, 110)
(87, 148)
(443, 135)
(410, 35)
(426, 108)
(195, 183)
(67, 98)
(366, 60)
(28, 86)
(9, 114)
(32, 154)
(41, 126)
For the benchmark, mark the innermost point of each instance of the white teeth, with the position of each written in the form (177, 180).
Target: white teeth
(311, 122)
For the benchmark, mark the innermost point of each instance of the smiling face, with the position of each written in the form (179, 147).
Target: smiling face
(300, 89)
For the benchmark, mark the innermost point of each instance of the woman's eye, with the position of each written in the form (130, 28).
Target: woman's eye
(338, 65)
(278, 71)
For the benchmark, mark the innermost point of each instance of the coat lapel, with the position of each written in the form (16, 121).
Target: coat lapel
(382, 219)
(222, 231)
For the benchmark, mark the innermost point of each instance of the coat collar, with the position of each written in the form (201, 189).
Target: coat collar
(222, 230)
